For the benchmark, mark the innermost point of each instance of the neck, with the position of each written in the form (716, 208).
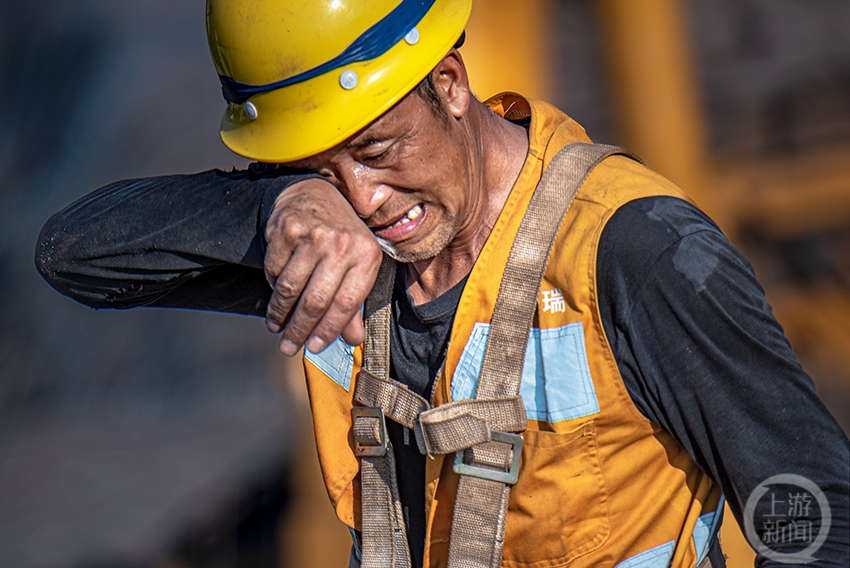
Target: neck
(498, 150)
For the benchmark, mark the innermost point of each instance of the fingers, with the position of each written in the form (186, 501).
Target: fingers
(328, 307)
(278, 254)
(292, 279)
(321, 261)
(283, 232)
(298, 239)
(354, 333)
(343, 315)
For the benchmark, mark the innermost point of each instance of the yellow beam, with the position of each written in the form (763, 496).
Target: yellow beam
(784, 196)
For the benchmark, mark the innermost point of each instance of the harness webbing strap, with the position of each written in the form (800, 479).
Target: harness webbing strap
(481, 505)
(462, 424)
(400, 404)
(478, 429)
(377, 315)
(516, 303)
(384, 534)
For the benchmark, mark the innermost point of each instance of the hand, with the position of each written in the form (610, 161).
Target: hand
(321, 262)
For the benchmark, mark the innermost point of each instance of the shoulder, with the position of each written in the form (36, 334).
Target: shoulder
(620, 179)
(667, 249)
(641, 231)
(612, 189)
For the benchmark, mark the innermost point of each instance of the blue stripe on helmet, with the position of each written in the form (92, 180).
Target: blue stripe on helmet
(374, 42)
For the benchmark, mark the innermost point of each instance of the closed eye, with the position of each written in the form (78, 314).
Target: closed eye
(377, 153)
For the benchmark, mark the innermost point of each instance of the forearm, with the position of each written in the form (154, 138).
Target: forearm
(192, 241)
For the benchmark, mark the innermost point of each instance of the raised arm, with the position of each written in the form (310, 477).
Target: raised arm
(199, 241)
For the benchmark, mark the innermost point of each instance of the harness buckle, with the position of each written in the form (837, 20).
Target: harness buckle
(365, 442)
(509, 477)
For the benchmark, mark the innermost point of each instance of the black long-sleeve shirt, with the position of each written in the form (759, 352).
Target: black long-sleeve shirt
(695, 341)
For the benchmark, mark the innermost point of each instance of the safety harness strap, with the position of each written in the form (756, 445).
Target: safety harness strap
(400, 404)
(481, 431)
(488, 471)
(462, 424)
(383, 529)
(377, 316)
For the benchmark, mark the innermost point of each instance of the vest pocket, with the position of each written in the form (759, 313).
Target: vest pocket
(558, 508)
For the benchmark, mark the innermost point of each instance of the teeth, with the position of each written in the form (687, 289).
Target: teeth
(415, 212)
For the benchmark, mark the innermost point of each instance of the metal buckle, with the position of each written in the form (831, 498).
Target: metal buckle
(370, 412)
(510, 477)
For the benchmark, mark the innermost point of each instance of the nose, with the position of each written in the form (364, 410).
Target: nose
(360, 186)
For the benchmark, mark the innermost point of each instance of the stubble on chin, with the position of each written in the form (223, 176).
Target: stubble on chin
(437, 241)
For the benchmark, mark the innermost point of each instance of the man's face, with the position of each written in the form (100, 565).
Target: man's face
(410, 176)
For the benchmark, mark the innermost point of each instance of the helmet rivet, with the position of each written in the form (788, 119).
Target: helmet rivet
(412, 37)
(348, 80)
(250, 110)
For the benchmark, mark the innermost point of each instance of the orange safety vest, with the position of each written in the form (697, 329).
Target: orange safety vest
(600, 484)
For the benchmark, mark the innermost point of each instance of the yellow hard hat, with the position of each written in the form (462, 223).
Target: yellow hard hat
(301, 76)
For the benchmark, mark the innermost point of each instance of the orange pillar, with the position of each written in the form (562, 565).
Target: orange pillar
(507, 47)
(660, 116)
(655, 90)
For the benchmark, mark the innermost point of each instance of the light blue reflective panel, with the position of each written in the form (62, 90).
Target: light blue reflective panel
(706, 529)
(556, 382)
(469, 365)
(569, 387)
(356, 555)
(336, 361)
(658, 557)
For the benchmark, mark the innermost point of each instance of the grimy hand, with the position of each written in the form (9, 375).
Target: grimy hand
(321, 262)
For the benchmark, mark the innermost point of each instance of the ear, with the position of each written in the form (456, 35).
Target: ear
(452, 83)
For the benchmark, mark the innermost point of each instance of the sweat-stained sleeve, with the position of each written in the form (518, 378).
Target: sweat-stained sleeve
(702, 356)
(184, 241)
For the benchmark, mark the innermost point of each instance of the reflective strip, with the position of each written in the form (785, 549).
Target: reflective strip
(373, 43)
(336, 361)
(658, 557)
(706, 529)
(356, 555)
(556, 382)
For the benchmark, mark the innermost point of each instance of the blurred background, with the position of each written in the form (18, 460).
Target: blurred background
(158, 438)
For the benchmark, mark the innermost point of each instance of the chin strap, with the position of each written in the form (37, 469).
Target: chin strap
(484, 432)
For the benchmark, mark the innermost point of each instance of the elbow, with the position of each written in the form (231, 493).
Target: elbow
(76, 258)
(51, 251)
(58, 261)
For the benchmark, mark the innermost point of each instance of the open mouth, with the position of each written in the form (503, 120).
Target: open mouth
(403, 226)
(411, 215)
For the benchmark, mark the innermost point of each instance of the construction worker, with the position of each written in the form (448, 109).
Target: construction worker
(652, 379)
